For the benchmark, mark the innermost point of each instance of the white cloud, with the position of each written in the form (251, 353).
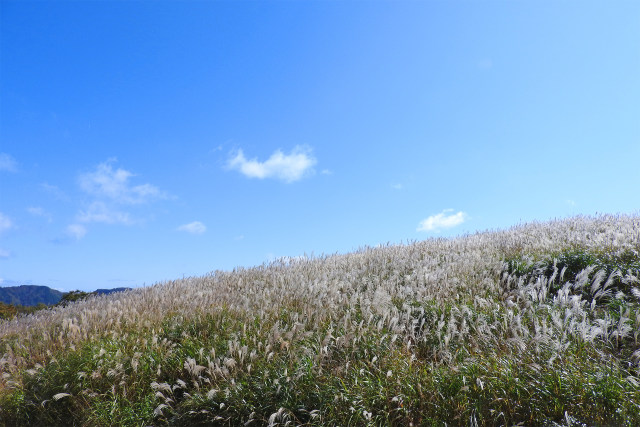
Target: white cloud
(114, 185)
(39, 212)
(111, 188)
(78, 231)
(5, 222)
(8, 163)
(54, 191)
(442, 220)
(195, 227)
(288, 168)
(397, 186)
(485, 64)
(100, 212)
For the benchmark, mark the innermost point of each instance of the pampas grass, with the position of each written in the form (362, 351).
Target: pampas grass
(493, 328)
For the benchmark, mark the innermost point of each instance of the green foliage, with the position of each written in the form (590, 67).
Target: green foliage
(72, 296)
(9, 311)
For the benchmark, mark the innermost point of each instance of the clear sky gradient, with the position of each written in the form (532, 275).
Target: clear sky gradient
(146, 141)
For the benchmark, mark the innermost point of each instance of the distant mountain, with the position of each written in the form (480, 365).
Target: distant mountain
(29, 295)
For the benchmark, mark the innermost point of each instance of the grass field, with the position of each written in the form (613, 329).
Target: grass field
(538, 324)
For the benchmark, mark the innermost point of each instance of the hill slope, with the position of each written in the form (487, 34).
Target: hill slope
(538, 325)
(29, 295)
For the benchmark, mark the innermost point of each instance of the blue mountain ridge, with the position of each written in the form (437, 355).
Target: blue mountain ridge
(32, 295)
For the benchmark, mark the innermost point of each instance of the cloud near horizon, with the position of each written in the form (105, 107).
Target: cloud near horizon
(285, 167)
(441, 221)
(195, 227)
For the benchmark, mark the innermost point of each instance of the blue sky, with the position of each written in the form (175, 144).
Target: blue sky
(147, 141)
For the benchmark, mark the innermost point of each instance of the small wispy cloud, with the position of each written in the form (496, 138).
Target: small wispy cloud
(443, 220)
(102, 213)
(114, 184)
(8, 163)
(285, 167)
(195, 227)
(5, 222)
(77, 231)
(40, 212)
(397, 186)
(485, 64)
(111, 192)
(54, 191)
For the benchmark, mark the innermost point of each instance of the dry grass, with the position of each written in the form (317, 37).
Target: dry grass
(488, 328)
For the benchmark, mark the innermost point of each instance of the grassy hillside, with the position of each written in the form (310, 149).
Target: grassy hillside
(539, 324)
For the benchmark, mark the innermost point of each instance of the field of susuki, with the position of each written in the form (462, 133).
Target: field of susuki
(538, 324)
